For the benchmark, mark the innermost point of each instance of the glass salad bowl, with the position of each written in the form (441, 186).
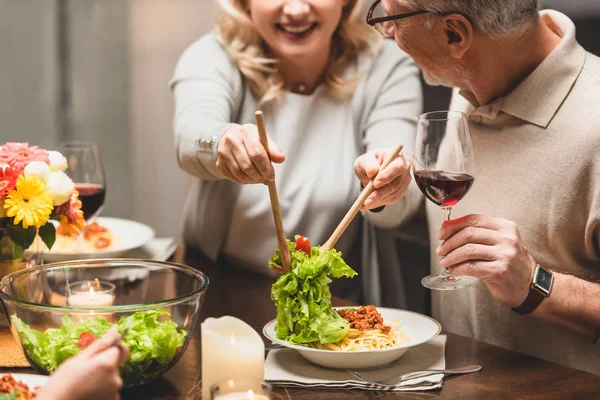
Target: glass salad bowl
(56, 310)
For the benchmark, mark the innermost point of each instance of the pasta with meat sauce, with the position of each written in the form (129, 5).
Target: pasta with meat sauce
(367, 332)
(10, 388)
(95, 238)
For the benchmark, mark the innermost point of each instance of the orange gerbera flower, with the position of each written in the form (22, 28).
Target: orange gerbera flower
(71, 214)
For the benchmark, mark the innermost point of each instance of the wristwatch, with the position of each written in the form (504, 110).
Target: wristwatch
(540, 288)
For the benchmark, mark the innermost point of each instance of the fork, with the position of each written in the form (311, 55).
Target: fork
(419, 374)
(124, 332)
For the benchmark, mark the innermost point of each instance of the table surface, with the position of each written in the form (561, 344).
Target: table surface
(246, 295)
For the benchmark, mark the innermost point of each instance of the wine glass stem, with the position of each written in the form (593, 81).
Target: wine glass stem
(446, 275)
(448, 211)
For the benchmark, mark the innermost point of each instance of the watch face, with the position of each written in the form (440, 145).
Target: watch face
(544, 280)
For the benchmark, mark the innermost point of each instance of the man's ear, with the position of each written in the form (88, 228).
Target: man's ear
(459, 34)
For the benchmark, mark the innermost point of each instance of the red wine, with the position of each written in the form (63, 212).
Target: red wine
(92, 198)
(443, 188)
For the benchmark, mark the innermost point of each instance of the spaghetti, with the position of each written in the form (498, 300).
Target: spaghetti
(367, 332)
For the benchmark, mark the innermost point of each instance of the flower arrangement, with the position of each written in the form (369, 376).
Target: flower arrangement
(33, 190)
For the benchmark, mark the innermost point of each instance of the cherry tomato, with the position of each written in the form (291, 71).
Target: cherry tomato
(85, 339)
(303, 244)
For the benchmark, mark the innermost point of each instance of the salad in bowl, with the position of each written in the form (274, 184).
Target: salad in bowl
(155, 313)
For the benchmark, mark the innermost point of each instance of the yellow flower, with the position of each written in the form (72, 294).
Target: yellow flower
(29, 202)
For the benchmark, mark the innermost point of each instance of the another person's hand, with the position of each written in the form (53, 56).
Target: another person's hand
(391, 183)
(490, 249)
(92, 374)
(242, 158)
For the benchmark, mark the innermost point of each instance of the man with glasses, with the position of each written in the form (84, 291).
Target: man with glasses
(530, 229)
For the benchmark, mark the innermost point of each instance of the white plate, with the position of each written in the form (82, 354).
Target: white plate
(31, 380)
(128, 235)
(418, 327)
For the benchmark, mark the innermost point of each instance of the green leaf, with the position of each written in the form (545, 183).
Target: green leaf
(21, 236)
(48, 234)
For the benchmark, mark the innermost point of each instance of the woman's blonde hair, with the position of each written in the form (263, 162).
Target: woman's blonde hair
(242, 41)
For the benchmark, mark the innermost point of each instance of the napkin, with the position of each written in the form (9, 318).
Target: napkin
(158, 249)
(286, 367)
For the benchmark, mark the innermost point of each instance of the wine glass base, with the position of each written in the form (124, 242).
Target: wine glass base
(447, 282)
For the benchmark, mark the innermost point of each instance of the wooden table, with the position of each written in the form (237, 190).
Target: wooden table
(246, 295)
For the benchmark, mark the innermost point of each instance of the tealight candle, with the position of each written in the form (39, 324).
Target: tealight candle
(91, 294)
(240, 390)
(231, 350)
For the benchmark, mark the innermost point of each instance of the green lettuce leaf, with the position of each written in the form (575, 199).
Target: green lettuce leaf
(303, 299)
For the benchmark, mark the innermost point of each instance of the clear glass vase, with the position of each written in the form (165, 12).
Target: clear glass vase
(13, 258)
(11, 254)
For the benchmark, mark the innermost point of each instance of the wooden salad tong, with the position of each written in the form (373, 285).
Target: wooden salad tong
(335, 236)
(284, 251)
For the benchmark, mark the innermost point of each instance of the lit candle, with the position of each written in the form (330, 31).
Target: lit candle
(91, 294)
(249, 395)
(231, 349)
(240, 390)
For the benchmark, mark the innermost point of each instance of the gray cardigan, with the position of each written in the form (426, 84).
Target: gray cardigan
(211, 95)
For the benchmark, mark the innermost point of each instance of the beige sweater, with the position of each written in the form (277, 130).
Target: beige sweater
(537, 163)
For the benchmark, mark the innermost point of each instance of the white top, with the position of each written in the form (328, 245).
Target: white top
(316, 183)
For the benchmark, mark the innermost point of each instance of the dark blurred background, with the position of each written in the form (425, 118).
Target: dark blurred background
(98, 70)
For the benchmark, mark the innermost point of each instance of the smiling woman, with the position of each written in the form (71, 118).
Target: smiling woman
(259, 35)
(336, 100)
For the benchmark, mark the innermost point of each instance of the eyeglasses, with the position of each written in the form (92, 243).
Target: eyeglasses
(379, 22)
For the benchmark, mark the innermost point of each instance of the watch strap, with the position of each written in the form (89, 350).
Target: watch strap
(534, 298)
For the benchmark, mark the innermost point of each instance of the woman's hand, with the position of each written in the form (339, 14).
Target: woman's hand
(242, 158)
(391, 183)
(490, 249)
(92, 374)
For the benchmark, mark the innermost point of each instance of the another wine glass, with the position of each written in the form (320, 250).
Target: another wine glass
(443, 168)
(85, 168)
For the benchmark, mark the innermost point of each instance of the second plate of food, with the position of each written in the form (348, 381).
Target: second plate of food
(411, 329)
(107, 238)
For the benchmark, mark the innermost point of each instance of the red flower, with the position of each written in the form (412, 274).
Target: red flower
(18, 155)
(8, 180)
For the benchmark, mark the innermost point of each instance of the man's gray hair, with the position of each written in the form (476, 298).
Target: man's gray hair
(492, 17)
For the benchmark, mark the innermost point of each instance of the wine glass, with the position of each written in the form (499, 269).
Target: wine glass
(443, 168)
(85, 168)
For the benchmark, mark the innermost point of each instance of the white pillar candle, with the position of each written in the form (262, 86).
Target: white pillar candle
(231, 349)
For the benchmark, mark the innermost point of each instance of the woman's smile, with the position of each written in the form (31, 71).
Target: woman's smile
(296, 32)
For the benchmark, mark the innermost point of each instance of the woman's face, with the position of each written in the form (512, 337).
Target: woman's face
(296, 28)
